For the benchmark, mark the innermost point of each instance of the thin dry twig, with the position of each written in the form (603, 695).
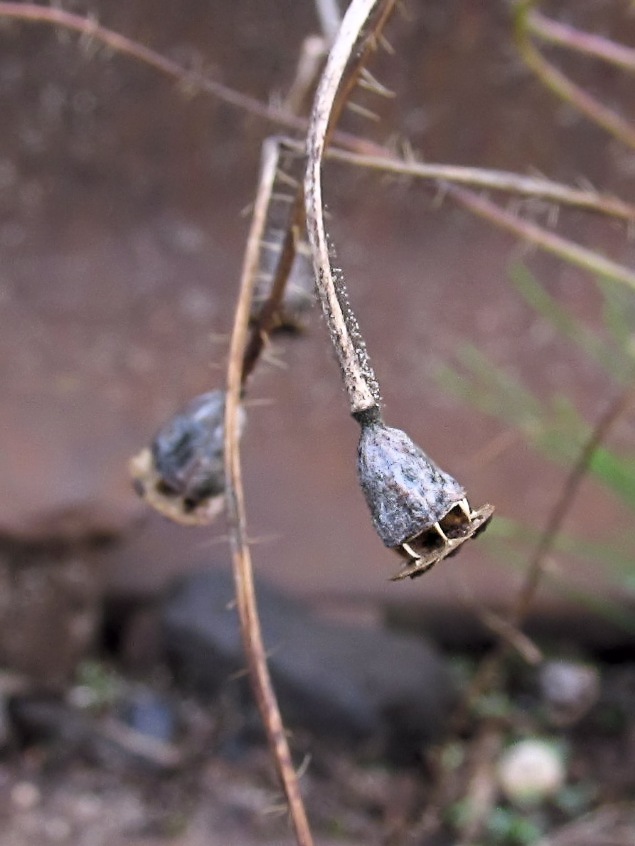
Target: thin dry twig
(191, 79)
(560, 84)
(495, 180)
(236, 517)
(535, 569)
(548, 241)
(587, 43)
(616, 409)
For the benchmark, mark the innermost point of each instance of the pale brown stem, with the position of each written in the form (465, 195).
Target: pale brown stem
(356, 380)
(243, 572)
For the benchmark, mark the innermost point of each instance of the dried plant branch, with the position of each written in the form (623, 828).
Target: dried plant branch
(359, 379)
(234, 496)
(548, 241)
(495, 180)
(295, 222)
(595, 46)
(191, 79)
(273, 172)
(377, 155)
(560, 84)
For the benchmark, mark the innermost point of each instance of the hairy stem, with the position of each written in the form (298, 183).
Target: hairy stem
(357, 373)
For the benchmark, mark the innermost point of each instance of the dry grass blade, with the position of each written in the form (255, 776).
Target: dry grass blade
(243, 572)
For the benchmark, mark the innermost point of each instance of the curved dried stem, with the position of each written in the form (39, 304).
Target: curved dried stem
(359, 379)
(560, 84)
(242, 567)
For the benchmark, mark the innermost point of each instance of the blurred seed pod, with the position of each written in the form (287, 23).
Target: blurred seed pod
(299, 292)
(418, 510)
(182, 473)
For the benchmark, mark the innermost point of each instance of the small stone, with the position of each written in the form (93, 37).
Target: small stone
(569, 690)
(150, 714)
(530, 771)
(341, 682)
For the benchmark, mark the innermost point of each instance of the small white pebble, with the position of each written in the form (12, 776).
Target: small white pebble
(25, 795)
(530, 771)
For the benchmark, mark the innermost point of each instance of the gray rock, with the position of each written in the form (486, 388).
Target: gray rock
(336, 680)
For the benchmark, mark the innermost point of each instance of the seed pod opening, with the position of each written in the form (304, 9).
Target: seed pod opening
(418, 509)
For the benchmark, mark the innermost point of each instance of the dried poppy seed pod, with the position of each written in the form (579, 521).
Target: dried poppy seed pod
(188, 449)
(418, 510)
(182, 475)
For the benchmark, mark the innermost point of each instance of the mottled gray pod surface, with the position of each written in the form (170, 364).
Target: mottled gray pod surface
(188, 449)
(406, 492)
